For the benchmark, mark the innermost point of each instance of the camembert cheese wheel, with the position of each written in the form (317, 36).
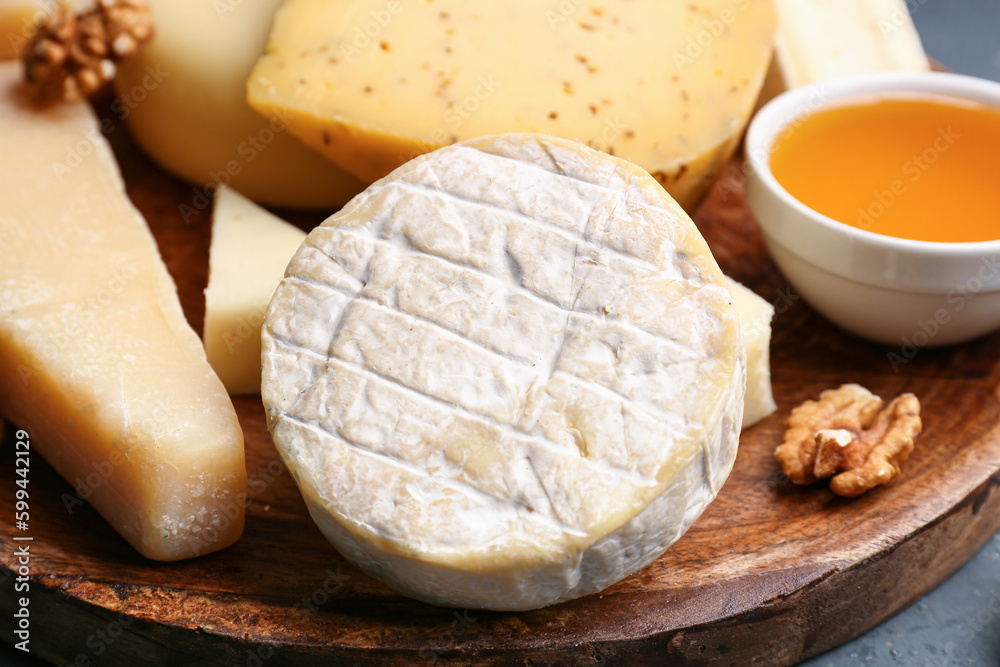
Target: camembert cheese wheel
(508, 374)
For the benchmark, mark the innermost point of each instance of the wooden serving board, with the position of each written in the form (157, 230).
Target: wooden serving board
(770, 574)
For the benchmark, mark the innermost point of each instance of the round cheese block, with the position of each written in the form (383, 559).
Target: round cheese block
(669, 85)
(183, 97)
(508, 374)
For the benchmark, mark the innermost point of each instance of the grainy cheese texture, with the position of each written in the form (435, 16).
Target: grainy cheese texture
(667, 85)
(508, 374)
(97, 362)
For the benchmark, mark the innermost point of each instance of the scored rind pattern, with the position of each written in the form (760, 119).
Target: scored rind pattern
(512, 363)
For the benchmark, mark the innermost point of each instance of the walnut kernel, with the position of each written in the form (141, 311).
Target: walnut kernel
(73, 55)
(848, 435)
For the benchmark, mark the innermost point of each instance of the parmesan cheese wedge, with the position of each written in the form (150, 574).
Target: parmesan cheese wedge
(371, 84)
(97, 362)
(508, 374)
(250, 250)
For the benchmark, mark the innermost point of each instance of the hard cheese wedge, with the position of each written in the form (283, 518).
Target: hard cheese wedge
(755, 322)
(819, 39)
(184, 99)
(508, 374)
(667, 85)
(250, 250)
(97, 362)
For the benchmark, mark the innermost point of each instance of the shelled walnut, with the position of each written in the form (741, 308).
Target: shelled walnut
(848, 435)
(73, 55)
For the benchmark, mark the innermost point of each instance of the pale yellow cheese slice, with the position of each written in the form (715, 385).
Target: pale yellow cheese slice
(755, 323)
(823, 39)
(250, 249)
(667, 85)
(97, 362)
(509, 374)
(184, 99)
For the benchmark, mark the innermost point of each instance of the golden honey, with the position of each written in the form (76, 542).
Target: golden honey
(923, 168)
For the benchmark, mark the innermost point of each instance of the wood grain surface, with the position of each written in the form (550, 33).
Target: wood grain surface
(770, 574)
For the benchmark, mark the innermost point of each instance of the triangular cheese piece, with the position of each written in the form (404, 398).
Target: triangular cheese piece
(250, 249)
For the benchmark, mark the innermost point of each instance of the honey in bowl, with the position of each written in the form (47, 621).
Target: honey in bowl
(921, 168)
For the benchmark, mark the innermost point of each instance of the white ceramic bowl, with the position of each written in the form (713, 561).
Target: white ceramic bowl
(905, 293)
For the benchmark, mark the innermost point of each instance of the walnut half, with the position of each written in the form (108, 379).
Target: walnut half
(848, 435)
(73, 55)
